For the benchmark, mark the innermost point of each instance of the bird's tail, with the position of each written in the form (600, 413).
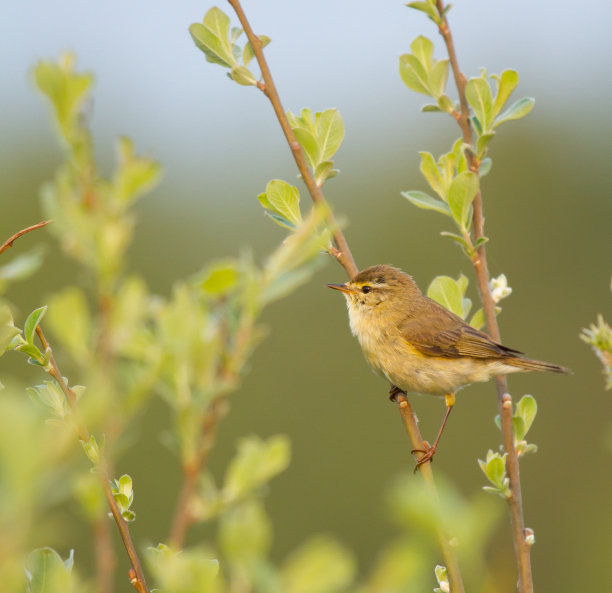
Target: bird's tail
(528, 364)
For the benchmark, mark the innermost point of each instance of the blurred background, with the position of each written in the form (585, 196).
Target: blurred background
(548, 214)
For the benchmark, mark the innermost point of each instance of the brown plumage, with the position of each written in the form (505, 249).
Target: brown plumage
(420, 346)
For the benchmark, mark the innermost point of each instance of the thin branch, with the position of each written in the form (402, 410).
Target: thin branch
(138, 580)
(9, 242)
(522, 547)
(343, 254)
(106, 560)
(448, 552)
(183, 515)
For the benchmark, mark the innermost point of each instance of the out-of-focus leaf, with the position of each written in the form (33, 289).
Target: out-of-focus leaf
(7, 330)
(135, 175)
(220, 277)
(191, 570)
(321, 565)
(255, 463)
(70, 321)
(48, 573)
(245, 532)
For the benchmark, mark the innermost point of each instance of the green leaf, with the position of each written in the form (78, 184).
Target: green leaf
(478, 319)
(32, 322)
(66, 90)
(430, 171)
(496, 470)
(446, 291)
(212, 37)
(220, 278)
(438, 77)
(190, 570)
(280, 221)
(247, 52)
(243, 76)
(309, 144)
(457, 239)
(478, 95)
(324, 171)
(429, 8)
(135, 175)
(256, 462)
(48, 573)
(320, 566)
(430, 108)
(461, 194)
(485, 167)
(7, 330)
(483, 143)
(426, 202)
(413, 74)
(506, 83)
(445, 104)
(517, 110)
(69, 319)
(284, 199)
(526, 409)
(245, 533)
(330, 133)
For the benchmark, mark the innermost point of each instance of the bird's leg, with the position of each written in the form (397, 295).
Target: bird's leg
(394, 392)
(430, 451)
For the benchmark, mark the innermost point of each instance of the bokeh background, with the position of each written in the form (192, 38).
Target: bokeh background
(548, 213)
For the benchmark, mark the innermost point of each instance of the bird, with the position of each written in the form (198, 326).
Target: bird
(419, 346)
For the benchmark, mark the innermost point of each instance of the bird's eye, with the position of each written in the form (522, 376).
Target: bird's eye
(365, 289)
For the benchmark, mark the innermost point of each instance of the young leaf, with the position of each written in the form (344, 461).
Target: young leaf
(526, 409)
(284, 200)
(446, 291)
(7, 330)
(31, 322)
(427, 202)
(517, 110)
(429, 8)
(309, 143)
(320, 565)
(330, 133)
(430, 171)
(211, 37)
(48, 573)
(243, 76)
(461, 194)
(413, 74)
(478, 95)
(506, 83)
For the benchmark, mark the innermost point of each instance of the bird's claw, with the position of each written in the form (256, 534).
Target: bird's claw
(394, 392)
(427, 455)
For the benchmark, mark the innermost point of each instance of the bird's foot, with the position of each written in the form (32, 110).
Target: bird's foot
(427, 455)
(394, 392)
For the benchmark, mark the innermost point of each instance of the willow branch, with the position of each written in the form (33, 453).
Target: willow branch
(183, 514)
(515, 501)
(138, 579)
(343, 253)
(9, 242)
(448, 552)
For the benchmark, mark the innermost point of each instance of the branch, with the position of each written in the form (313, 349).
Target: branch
(183, 517)
(448, 553)
(343, 254)
(522, 548)
(137, 577)
(9, 242)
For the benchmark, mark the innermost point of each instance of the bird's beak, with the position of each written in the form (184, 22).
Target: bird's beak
(341, 287)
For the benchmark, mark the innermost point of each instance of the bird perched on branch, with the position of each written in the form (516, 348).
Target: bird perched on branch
(420, 346)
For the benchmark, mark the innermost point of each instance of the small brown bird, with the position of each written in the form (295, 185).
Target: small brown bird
(420, 346)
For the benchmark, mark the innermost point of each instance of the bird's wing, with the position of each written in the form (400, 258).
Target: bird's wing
(439, 332)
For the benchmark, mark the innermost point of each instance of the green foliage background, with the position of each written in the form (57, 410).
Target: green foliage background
(548, 209)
